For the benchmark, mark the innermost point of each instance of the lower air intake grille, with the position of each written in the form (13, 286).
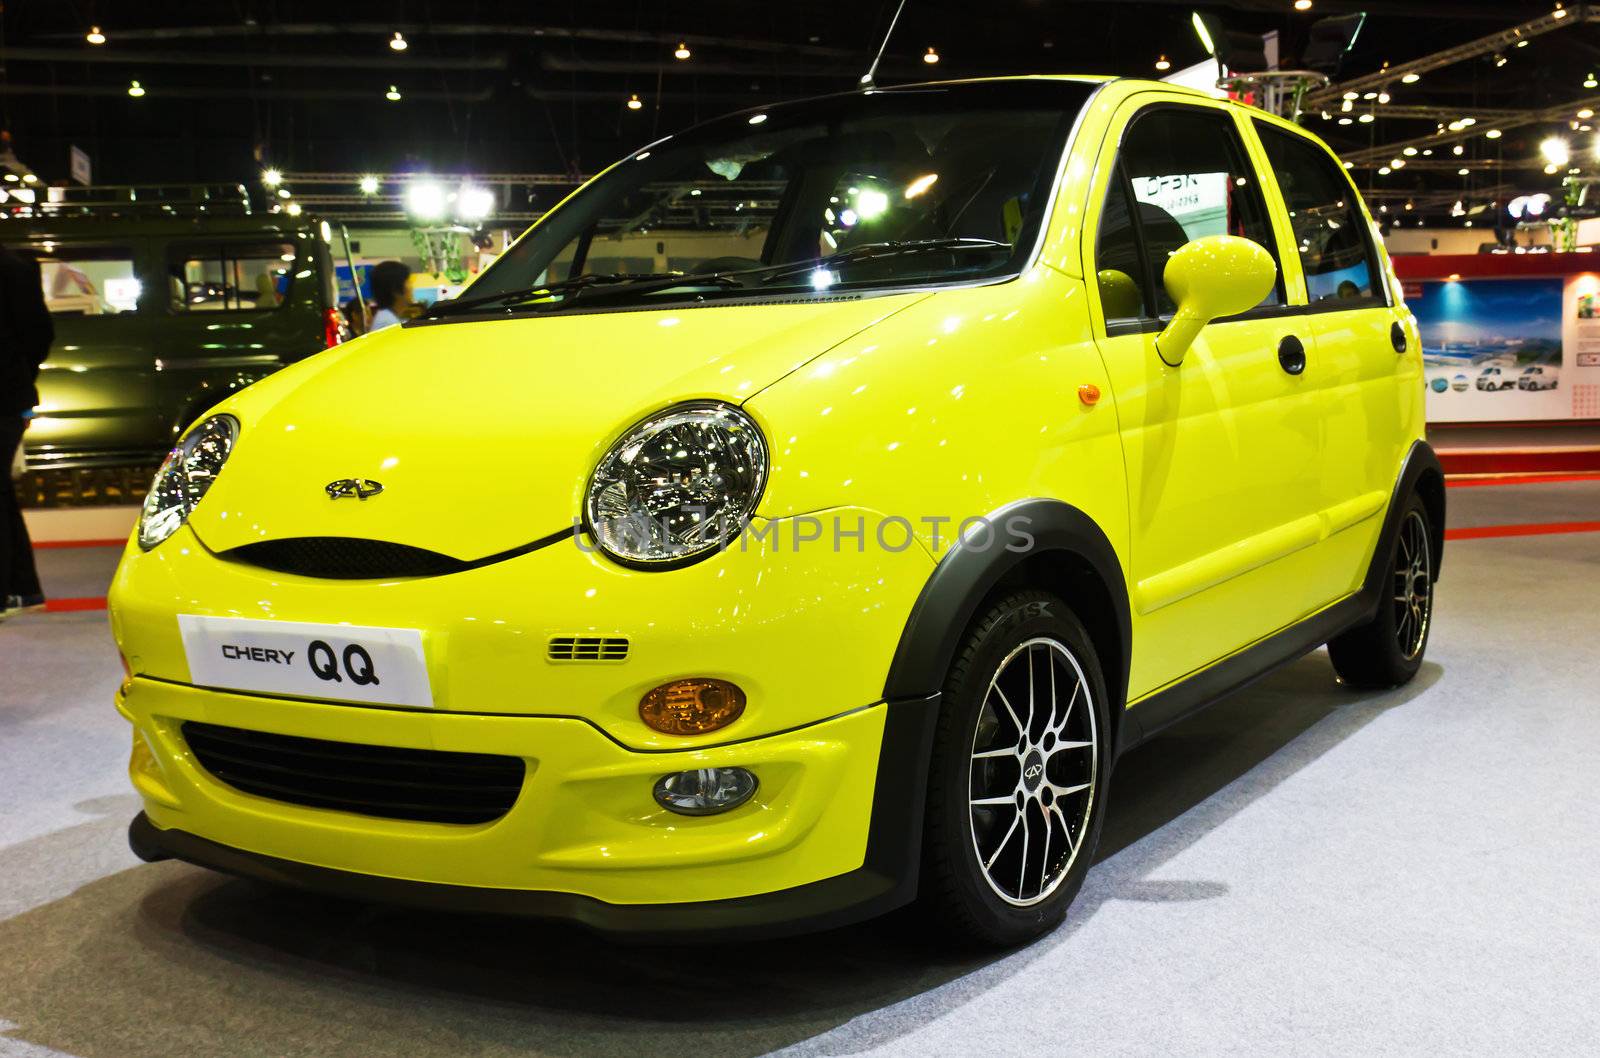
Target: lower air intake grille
(419, 784)
(345, 558)
(587, 648)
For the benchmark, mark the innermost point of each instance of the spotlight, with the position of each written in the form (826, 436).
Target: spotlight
(1590, 82)
(1458, 150)
(1365, 119)
(1492, 134)
(757, 119)
(1410, 152)
(1462, 171)
(135, 89)
(634, 102)
(1499, 59)
(930, 56)
(1411, 78)
(283, 192)
(293, 209)
(1555, 151)
(368, 185)
(94, 36)
(1302, 5)
(1585, 114)
(474, 203)
(1163, 64)
(682, 51)
(1383, 97)
(1559, 12)
(271, 177)
(425, 200)
(393, 94)
(398, 41)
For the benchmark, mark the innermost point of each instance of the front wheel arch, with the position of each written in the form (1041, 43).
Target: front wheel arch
(1069, 556)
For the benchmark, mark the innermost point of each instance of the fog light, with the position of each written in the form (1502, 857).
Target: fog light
(704, 791)
(691, 707)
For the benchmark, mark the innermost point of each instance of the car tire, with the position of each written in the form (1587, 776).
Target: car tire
(1019, 776)
(1388, 650)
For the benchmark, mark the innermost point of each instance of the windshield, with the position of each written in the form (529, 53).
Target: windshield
(919, 185)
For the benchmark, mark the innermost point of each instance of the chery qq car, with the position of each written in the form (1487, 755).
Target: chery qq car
(797, 522)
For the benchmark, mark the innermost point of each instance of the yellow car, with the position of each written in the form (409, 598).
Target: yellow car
(798, 521)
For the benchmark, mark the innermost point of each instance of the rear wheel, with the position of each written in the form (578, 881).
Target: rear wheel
(1019, 776)
(1387, 651)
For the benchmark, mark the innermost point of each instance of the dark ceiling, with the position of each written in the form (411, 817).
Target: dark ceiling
(517, 87)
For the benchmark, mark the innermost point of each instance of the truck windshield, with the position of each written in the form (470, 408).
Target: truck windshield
(919, 185)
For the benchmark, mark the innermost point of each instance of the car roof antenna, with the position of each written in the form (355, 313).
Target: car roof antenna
(867, 78)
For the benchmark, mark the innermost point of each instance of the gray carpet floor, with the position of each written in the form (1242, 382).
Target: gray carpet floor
(1300, 870)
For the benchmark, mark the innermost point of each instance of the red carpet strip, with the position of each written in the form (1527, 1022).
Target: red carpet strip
(1482, 532)
(74, 605)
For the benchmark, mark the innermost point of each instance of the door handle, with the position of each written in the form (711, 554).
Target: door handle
(1291, 355)
(1397, 336)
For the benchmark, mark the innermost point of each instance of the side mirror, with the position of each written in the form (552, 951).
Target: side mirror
(1211, 277)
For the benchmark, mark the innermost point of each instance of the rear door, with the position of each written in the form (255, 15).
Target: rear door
(1221, 452)
(99, 393)
(1372, 393)
(237, 308)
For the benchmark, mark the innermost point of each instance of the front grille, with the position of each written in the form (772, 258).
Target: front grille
(418, 784)
(588, 648)
(345, 558)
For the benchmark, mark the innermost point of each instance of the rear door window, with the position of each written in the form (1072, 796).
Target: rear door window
(1335, 246)
(229, 276)
(87, 280)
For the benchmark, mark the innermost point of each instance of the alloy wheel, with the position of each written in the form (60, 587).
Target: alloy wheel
(1413, 580)
(1031, 778)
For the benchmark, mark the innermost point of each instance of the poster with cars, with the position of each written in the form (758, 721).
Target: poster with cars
(1492, 349)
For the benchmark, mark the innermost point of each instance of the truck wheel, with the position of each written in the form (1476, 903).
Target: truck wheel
(1019, 776)
(1387, 650)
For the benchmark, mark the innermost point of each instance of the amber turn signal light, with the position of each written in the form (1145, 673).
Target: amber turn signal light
(691, 707)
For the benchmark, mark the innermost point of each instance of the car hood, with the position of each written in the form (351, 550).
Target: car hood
(483, 433)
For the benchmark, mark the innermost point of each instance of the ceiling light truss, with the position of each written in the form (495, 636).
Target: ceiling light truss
(1371, 157)
(1578, 14)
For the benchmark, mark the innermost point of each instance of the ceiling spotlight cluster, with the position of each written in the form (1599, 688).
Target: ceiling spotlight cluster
(427, 200)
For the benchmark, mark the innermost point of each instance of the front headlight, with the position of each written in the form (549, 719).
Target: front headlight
(184, 477)
(677, 486)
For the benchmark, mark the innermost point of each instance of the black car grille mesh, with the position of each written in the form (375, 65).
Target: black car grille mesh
(588, 648)
(417, 784)
(345, 558)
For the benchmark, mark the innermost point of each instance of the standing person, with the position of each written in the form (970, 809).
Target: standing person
(25, 336)
(389, 293)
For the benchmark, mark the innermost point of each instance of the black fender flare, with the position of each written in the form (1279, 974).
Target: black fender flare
(1420, 473)
(972, 569)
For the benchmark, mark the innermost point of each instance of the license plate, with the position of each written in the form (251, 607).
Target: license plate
(384, 666)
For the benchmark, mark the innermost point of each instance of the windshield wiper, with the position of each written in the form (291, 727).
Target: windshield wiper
(872, 251)
(639, 282)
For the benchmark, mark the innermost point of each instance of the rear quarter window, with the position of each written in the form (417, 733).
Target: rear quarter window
(87, 279)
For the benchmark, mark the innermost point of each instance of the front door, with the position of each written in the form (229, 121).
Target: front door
(1222, 452)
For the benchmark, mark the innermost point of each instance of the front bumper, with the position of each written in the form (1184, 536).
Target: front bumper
(830, 837)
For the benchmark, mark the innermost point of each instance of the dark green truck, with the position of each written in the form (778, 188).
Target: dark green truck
(164, 303)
